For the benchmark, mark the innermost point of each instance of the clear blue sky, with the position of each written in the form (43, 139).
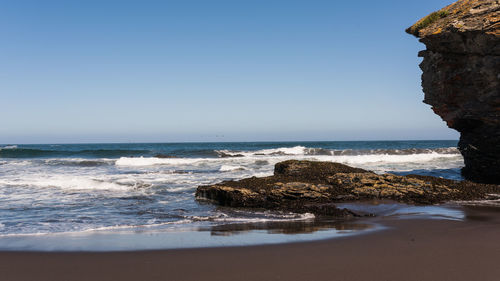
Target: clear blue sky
(210, 70)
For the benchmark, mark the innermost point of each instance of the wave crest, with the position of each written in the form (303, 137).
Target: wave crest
(301, 150)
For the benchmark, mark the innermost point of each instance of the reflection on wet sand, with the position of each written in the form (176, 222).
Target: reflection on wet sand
(489, 214)
(290, 227)
(372, 211)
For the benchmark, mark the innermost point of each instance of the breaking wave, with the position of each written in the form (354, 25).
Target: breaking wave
(173, 156)
(8, 147)
(301, 150)
(150, 161)
(67, 182)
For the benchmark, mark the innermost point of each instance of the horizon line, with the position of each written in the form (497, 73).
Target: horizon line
(270, 141)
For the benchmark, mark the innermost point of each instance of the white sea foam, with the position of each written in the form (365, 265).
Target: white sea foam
(179, 189)
(18, 162)
(98, 229)
(258, 217)
(220, 218)
(301, 150)
(150, 161)
(490, 202)
(246, 161)
(295, 217)
(296, 150)
(385, 158)
(9, 147)
(346, 159)
(67, 182)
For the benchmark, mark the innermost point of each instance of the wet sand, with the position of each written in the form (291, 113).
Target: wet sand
(414, 249)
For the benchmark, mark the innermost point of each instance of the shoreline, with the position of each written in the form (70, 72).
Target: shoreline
(412, 249)
(272, 232)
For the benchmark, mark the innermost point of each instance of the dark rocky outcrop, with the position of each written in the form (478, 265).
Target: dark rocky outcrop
(461, 75)
(306, 186)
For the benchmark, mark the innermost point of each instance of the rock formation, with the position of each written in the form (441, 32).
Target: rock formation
(461, 74)
(315, 187)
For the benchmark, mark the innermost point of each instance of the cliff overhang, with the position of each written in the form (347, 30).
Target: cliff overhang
(460, 79)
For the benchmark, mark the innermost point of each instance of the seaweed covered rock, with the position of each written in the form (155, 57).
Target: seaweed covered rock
(309, 186)
(461, 79)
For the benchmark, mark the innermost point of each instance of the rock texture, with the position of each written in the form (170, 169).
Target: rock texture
(306, 186)
(461, 74)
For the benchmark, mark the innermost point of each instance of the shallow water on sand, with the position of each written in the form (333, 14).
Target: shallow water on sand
(238, 233)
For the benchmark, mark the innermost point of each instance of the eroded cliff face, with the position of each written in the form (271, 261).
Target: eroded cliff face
(461, 74)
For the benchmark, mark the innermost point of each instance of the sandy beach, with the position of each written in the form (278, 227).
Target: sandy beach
(414, 249)
(250, 140)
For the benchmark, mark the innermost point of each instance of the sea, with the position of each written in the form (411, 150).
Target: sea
(105, 196)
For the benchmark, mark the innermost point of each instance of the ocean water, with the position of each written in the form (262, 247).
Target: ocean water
(87, 188)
